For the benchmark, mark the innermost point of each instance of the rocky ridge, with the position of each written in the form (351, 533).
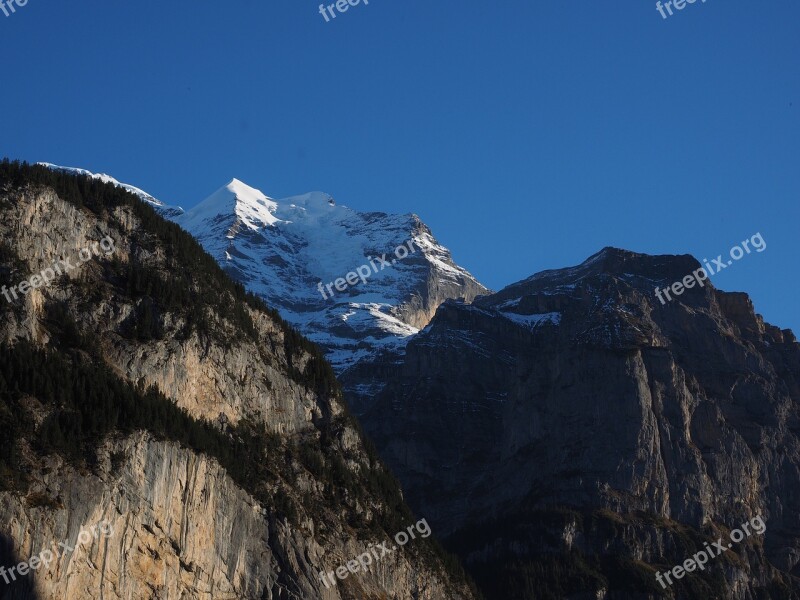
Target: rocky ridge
(595, 436)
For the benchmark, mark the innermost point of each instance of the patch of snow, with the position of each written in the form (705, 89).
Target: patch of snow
(108, 179)
(533, 321)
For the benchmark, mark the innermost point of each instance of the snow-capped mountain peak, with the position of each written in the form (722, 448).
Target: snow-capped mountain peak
(251, 207)
(286, 250)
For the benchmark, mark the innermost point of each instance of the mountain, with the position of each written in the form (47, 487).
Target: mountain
(283, 250)
(287, 251)
(571, 436)
(141, 389)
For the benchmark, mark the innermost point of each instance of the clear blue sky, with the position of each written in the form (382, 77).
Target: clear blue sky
(527, 134)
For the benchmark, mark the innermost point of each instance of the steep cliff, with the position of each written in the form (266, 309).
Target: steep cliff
(142, 388)
(573, 436)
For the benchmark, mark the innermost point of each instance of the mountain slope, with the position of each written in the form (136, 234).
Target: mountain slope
(143, 388)
(596, 436)
(164, 210)
(282, 250)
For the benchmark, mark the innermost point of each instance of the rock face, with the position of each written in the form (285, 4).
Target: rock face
(572, 435)
(157, 320)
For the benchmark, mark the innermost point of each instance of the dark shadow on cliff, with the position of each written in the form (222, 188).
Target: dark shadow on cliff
(12, 585)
